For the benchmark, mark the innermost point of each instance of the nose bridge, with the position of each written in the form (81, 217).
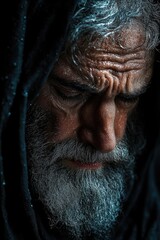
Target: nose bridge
(105, 116)
(100, 124)
(106, 125)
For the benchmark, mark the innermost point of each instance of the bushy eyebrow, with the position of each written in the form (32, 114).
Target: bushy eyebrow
(136, 93)
(81, 87)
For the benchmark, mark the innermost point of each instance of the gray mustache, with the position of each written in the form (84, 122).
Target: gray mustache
(74, 150)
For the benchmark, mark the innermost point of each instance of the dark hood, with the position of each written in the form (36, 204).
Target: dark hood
(32, 35)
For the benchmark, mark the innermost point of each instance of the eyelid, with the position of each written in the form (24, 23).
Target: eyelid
(71, 97)
(64, 89)
(129, 96)
(68, 96)
(131, 99)
(77, 86)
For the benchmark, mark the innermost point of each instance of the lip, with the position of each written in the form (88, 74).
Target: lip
(82, 165)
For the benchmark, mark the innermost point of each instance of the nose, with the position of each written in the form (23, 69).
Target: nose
(98, 124)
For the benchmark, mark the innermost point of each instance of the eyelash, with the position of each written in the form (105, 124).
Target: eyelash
(75, 97)
(128, 100)
(80, 96)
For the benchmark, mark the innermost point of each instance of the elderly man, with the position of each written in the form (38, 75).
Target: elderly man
(86, 136)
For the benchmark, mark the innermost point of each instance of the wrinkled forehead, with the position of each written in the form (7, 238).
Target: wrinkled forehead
(130, 39)
(117, 56)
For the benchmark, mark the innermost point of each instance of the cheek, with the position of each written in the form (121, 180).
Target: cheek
(63, 127)
(121, 119)
(120, 124)
(60, 125)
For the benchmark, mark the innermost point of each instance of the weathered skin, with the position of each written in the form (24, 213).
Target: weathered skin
(109, 68)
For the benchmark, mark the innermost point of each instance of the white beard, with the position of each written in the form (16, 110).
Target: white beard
(86, 202)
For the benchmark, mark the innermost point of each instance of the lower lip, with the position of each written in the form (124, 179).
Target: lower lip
(80, 165)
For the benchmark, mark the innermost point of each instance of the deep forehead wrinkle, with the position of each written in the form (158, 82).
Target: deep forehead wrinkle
(107, 60)
(102, 70)
(95, 79)
(65, 69)
(83, 87)
(103, 55)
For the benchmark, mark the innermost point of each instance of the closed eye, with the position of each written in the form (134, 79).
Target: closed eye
(132, 98)
(70, 90)
(127, 98)
(68, 93)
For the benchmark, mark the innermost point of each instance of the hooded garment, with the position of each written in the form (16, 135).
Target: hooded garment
(32, 34)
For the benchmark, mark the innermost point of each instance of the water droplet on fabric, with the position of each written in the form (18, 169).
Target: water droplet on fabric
(25, 94)
(25, 165)
(3, 183)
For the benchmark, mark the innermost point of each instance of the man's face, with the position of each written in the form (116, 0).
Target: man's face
(81, 166)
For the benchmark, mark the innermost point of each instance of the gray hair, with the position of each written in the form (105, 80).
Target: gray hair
(105, 17)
